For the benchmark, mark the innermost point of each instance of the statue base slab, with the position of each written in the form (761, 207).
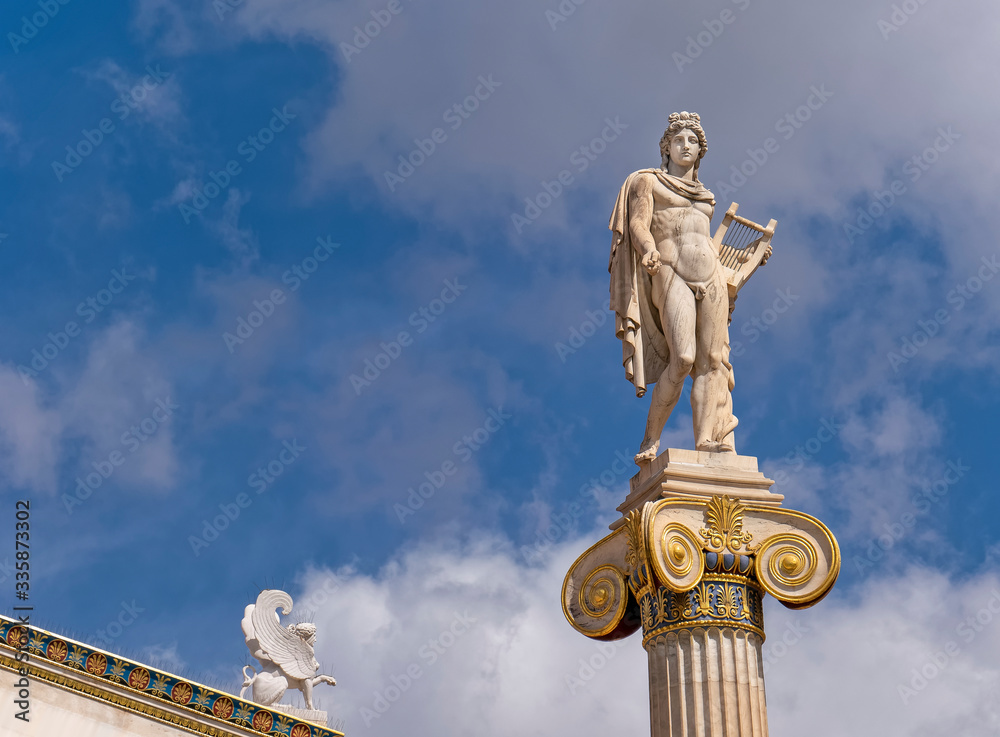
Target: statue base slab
(307, 715)
(696, 474)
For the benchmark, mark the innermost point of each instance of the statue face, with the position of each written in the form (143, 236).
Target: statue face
(684, 148)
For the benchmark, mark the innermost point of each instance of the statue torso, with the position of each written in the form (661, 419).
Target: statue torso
(681, 229)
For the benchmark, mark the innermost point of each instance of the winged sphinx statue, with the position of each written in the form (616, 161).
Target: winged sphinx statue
(285, 654)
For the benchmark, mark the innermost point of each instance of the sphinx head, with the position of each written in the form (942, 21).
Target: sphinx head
(305, 631)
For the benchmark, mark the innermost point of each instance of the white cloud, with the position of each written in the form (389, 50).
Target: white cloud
(152, 95)
(164, 19)
(29, 434)
(115, 404)
(241, 242)
(512, 669)
(557, 86)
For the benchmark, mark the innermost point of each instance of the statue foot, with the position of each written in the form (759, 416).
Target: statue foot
(647, 452)
(713, 446)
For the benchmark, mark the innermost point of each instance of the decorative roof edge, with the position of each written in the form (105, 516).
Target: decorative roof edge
(209, 704)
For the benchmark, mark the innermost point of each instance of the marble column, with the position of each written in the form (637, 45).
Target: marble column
(691, 571)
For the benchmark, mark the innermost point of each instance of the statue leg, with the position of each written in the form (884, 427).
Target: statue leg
(307, 692)
(711, 400)
(678, 316)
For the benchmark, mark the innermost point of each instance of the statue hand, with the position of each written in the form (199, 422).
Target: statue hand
(651, 261)
(767, 255)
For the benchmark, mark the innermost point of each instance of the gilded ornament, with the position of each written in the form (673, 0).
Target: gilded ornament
(724, 531)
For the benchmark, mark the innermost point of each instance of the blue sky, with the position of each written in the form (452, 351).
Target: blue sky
(385, 205)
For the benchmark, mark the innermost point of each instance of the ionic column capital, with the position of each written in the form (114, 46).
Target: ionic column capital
(680, 545)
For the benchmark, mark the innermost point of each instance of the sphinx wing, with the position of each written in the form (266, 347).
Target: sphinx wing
(251, 636)
(289, 652)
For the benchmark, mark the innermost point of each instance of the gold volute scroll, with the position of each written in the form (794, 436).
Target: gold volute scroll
(677, 557)
(596, 598)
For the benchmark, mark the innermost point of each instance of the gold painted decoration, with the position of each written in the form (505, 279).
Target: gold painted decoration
(724, 526)
(262, 721)
(17, 636)
(677, 558)
(118, 670)
(601, 601)
(719, 600)
(181, 693)
(138, 678)
(97, 664)
(635, 557)
(161, 685)
(223, 707)
(56, 651)
(36, 643)
(77, 656)
(59, 661)
(788, 567)
(244, 714)
(596, 597)
(202, 700)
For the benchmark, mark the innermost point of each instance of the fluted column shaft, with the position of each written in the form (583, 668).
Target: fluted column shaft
(706, 676)
(706, 682)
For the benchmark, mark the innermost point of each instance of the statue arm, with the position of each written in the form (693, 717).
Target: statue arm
(640, 208)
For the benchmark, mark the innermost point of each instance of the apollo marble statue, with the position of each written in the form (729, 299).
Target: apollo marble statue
(702, 538)
(673, 287)
(285, 654)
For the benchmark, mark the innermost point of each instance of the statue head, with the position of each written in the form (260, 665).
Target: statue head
(306, 631)
(676, 123)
